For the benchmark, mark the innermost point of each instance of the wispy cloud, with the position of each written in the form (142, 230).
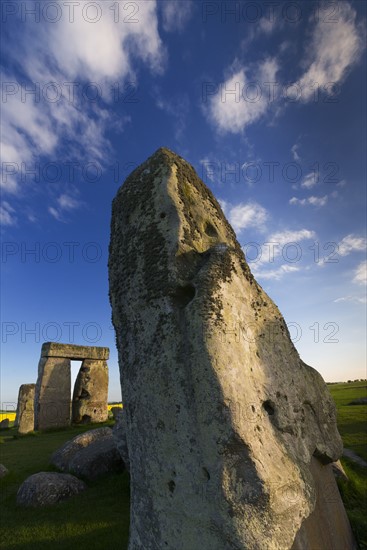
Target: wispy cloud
(65, 203)
(310, 180)
(229, 109)
(176, 14)
(313, 201)
(244, 215)
(72, 55)
(333, 48)
(7, 216)
(352, 243)
(274, 274)
(294, 151)
(355, 299)
(360, 274)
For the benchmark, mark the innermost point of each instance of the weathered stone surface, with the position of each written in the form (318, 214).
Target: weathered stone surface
(63, 456)
(24, 419)
(97, 459)
(47, 488)
(52, 393)
(4, 424)
(3, 471)
(223, 418)
(73, 352)
(91, 392)
(327, 528)
(89, 455)
(119, 434)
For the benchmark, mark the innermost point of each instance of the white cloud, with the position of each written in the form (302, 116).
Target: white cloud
(310, 180)
(356, 299)
(360, 274)
(313, 201)
(275, 274)
(295, 154)
(7, 214)
(289, 236)
(352, 243)
(66, 203)
(244, 215)
(334, 47)
(238, 102)
(176, 14)
(73, 55)
(55, 213)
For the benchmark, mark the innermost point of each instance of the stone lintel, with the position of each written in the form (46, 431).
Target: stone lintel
(73, 352)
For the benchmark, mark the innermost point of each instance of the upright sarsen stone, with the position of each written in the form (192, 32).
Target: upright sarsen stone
(91, 392)
(24, 419)
(223, 420)
(52, 396)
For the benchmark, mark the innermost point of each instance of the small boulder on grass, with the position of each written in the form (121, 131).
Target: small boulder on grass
(89, 455)
(3, 471)
(47, 488)
(4, 424)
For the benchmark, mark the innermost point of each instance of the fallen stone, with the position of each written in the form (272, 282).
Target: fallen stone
(62, 458)
(359, 401)
(119, 434)
(24, 419)
(228, 431)
(4, 424)
(3, 471)
(97, 459)
(47, 488)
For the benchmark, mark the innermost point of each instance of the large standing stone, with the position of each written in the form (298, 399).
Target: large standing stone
(91, 392)
(24, 419)
(52, 395)
(223, 418)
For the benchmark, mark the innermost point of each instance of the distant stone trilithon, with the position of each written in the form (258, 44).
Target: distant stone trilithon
(52, 396)
(229, 434)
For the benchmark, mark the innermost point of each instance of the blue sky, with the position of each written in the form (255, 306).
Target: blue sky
(266, 100)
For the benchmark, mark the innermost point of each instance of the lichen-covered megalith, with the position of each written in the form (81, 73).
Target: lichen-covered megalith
(24, 419)
(90, 392)
(229, 434)
(53, 388)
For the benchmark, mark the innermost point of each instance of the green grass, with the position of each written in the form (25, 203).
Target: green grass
(352, 419)
(352, 427)
(97, 518)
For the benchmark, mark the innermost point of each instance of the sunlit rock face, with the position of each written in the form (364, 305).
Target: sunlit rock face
(222, 416)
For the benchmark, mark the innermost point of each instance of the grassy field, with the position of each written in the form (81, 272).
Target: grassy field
(352, 424)
(99, 517)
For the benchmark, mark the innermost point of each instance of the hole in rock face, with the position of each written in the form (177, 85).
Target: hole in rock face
(183, 295)
(210, 230)
(171, 485)
(269, 407)
(162, 215)
(206, 474)
(86, 419)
